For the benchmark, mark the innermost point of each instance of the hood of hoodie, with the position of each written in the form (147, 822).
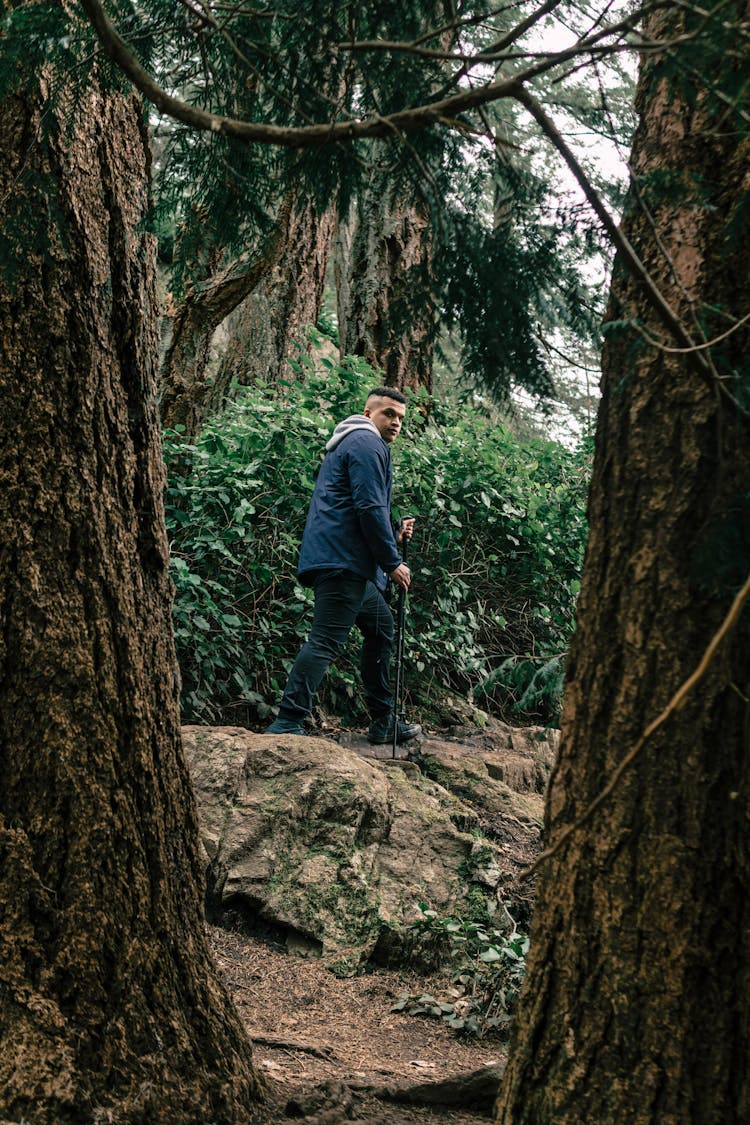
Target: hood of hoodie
(348, 426)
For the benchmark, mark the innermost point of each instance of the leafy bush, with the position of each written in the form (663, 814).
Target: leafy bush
(499, 546)
(490, 966)
(496, 552)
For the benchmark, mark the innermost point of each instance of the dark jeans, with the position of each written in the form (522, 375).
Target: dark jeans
(343, 599)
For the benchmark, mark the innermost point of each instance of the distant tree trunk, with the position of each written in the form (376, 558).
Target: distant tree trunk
(185, 391)
(636, 1006)
(271, 323)
(110, 1007)
(385, 287)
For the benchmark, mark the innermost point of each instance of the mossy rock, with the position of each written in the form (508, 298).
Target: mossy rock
(332, 850)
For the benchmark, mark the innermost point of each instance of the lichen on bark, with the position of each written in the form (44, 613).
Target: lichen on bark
(110, 1005)
(637, 991)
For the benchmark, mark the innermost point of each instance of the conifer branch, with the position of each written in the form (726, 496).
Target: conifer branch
(525, 25)
(677, 701)
(439, 112)
(500, 53)
(594, 43)
(467, 21)
(285, 136)
(509, 38)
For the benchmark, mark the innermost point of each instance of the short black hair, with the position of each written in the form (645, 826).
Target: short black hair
(387, 392)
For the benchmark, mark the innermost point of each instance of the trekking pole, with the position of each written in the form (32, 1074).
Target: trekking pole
(400, 620)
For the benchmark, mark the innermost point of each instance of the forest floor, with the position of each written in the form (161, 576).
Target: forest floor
(323, 1043)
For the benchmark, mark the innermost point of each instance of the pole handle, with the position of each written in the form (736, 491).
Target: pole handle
(404, 542)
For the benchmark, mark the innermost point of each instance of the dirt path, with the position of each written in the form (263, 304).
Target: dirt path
(311, 1028)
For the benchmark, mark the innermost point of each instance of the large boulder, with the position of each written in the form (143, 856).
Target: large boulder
(335, 851)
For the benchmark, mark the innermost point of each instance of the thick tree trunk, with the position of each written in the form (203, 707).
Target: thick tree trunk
(385, 290)
(637, 999)
(270, 326)
(110, 1006)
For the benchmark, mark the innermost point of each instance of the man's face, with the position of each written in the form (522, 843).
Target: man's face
(386, 415)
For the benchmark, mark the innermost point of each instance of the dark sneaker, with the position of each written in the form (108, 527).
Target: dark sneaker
(285, 726)
(381, 731)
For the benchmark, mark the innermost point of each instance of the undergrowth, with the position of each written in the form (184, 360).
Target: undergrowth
(496, 552)
(489, 961)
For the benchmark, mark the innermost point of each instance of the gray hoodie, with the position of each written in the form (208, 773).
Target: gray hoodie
(353, 422)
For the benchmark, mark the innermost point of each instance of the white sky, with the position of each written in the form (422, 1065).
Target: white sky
(601, 158)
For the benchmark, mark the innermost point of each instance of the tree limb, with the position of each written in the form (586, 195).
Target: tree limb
(293, 137)
(406, 120)
(696, 347)
(619, 239)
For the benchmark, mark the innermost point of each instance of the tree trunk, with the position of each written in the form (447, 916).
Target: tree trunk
(271, 324)
(110, 1007)
(635, 1007)
(385, 289)
(185, 391)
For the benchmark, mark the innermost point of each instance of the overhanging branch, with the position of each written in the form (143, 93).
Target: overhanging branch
(407, 120)
(440, 112)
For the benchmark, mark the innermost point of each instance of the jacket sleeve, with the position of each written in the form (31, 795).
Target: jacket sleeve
(368, 477)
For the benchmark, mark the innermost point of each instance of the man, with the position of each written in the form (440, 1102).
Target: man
(348, 549)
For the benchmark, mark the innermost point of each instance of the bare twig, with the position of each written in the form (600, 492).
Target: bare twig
(674, 704)
(696, 347)
(568, 358)
(618, 238)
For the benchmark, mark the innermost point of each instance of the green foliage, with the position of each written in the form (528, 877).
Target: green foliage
(282, 65)
(499, 548)
(531, 686)
(510, 275)
(496, 553)
(491, 293)
(236, 503)
(327, 326)
(500, 285)
(490, 962)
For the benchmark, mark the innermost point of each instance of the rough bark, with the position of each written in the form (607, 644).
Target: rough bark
(636, 1005)
(385, 291)
(270, 326)
(110, 1006)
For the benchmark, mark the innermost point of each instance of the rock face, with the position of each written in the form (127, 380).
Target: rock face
(335, 850)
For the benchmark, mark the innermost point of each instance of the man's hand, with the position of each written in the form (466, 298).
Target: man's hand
(406, 528)
(401, 576)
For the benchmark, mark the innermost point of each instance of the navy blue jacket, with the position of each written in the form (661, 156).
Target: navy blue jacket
(349, 520)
